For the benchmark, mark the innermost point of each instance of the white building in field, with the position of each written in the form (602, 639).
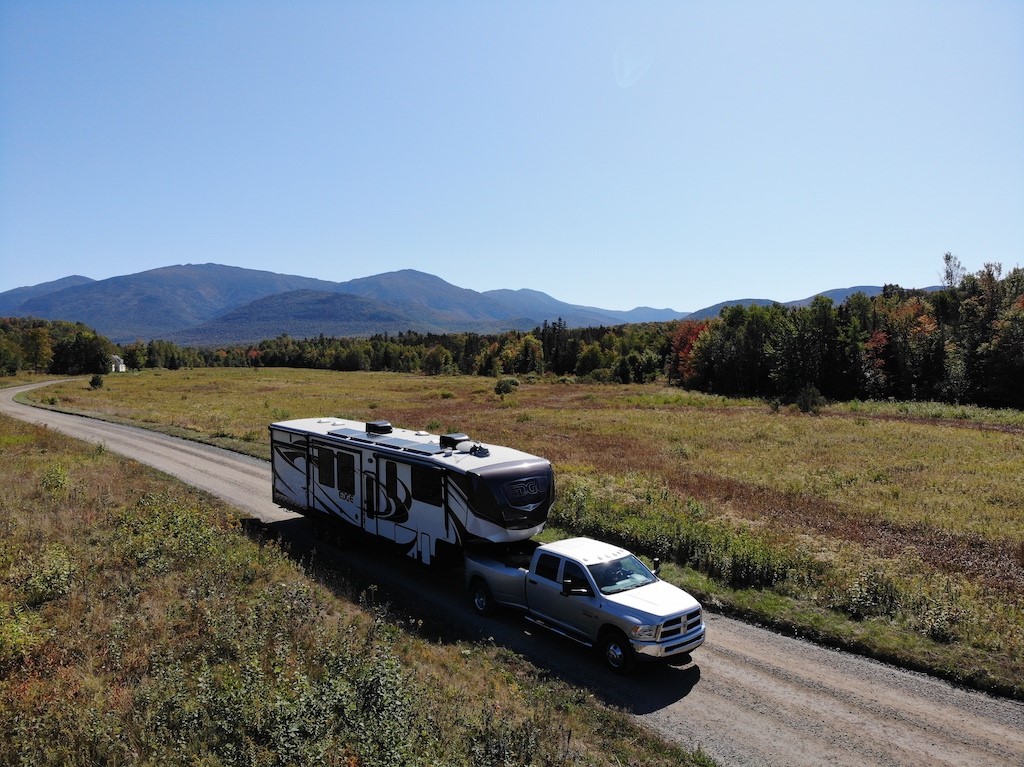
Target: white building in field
(117, 364)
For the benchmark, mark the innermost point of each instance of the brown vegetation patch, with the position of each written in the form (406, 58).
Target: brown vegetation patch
(996, 564)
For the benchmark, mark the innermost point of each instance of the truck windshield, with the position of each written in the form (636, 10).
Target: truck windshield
(621, 575)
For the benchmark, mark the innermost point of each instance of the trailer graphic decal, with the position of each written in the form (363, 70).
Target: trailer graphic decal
(428, 495)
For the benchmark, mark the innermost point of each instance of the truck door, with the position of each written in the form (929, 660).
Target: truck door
(572, 614)
(543, 590)
(578, 611)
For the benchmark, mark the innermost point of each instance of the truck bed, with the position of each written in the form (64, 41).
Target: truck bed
(503, 566)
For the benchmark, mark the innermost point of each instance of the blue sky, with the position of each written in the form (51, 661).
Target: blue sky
(669, 154)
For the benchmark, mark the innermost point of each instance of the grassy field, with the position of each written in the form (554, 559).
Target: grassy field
(895, 530)
(140, 624)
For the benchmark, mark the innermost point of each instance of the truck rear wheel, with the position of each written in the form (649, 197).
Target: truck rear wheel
(483, 602)
(617, 652)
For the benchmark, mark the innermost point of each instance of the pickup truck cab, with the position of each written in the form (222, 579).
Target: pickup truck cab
(593, 592)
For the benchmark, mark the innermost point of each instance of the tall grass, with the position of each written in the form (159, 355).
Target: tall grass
(635, 511)
(878, 519)
(140, 625)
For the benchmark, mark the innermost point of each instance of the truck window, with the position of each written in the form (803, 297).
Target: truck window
(547, 567)
(575, 572)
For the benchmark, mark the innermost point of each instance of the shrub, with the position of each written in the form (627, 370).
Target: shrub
(809, 400)
(55, 481)
(96, 382)
(871, 593)
(505, 386)
(47, 576)
(19, 634)
(162, 534)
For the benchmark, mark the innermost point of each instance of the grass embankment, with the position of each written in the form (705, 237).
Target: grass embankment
(139, 625)
(896, 530)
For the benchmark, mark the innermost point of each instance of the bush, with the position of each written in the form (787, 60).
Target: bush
(55, 481)
(47, 576)
(96, 382)
(809, 400)
(505, 386)
(20, 634)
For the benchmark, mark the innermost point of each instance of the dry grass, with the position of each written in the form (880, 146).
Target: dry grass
(139, 625)
(920, 493)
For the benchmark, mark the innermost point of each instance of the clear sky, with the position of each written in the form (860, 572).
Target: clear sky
(616, 155)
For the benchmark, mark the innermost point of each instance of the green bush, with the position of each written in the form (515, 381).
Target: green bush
(20, 634)
(47, 576)
(161, 534)
(809, 400)
(55, 481)
(506, 386)
(869, 594)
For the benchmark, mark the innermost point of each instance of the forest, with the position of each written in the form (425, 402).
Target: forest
(963, 343)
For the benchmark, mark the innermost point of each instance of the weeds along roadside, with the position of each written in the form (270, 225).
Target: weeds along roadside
(139, 624)
(881, 465)
(897, 611)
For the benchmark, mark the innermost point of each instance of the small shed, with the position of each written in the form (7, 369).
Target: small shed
(117, 364)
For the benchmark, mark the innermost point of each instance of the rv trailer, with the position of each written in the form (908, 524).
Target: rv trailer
(430, 495)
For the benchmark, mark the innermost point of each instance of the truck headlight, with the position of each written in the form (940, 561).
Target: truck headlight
(644, 632)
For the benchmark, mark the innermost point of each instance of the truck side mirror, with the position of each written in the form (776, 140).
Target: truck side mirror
(573, 588)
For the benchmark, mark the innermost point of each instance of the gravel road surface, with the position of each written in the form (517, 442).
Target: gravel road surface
(750, 697)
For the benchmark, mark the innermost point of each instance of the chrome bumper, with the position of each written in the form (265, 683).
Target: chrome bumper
(677, 646)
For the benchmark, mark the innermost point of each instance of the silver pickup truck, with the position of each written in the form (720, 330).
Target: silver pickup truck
(593, 592)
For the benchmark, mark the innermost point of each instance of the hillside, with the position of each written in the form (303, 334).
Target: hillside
(152, 303)
(212, 304)
(12, 300)
(301, 314)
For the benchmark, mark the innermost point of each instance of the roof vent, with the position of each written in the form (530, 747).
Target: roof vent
(453, 440)
(378, 427)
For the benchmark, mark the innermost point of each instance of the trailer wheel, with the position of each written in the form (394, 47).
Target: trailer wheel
(617, 652)
(480, 594)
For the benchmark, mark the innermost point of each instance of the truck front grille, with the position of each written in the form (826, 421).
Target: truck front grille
(679, 625)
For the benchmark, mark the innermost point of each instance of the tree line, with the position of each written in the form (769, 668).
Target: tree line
(45, 346)
(962, 343)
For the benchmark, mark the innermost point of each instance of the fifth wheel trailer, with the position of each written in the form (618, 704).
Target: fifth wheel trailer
(429, 495)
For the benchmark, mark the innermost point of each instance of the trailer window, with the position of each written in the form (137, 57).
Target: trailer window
(346, 473)
(325, 466)
(547, 567)
(426, 485)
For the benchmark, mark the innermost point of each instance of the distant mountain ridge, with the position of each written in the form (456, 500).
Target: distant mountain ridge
(212, 304)
(838, 296)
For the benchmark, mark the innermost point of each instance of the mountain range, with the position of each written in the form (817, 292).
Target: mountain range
(213, 304)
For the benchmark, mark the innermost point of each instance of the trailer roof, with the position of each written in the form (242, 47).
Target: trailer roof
(467, 454)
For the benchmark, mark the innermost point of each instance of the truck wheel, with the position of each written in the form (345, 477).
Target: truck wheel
(483, 602)
(617, 652)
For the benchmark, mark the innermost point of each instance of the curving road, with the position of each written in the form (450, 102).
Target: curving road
(751, 697)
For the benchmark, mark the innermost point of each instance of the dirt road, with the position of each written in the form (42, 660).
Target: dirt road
(751, 697)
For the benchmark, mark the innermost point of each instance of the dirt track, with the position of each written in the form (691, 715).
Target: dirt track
(751, 697)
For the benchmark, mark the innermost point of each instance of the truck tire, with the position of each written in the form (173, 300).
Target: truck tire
(480, 596)
(617, 651)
